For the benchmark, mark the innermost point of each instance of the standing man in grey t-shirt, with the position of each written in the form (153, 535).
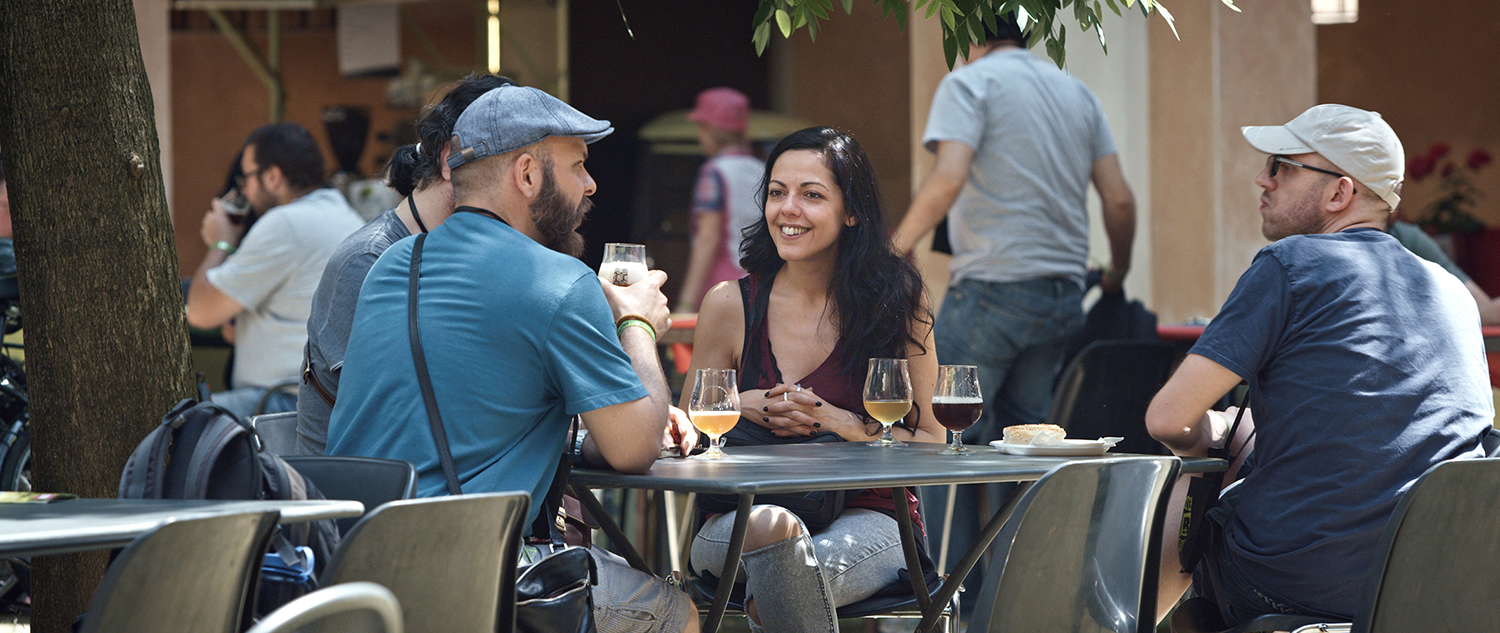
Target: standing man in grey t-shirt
(1017, 142)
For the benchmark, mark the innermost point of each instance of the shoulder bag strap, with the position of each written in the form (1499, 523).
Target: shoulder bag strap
(450, 473)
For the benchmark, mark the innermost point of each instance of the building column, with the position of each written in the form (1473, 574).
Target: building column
(1230, 69)
(153, 26)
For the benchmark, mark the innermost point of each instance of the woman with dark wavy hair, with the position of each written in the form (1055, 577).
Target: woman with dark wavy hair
(826, 292)
(419, 173)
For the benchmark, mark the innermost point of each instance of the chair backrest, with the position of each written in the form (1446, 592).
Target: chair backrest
(184, 575)
(443, 557)
(1440, 569)
(1077, 552)
(1105, 390)
(353, 607)
(368, 480)
(277, 431)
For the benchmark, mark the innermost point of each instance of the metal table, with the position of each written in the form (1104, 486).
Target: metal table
(79, 525)
(751, 470)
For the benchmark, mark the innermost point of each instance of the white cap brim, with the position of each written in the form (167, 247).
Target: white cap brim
(1275, 139)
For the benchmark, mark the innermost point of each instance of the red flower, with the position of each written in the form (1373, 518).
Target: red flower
(1437, 151)
(1418, 167)
(1478, 158)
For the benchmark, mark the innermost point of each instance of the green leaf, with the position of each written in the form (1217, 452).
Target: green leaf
(932, 8)
(818, 10)
(1167, 15)
(1056, 51)
(800, 19)
(848, 7)
(763, 13)
(784, 21)
(948, 20)
(761, 37)
(950, 49)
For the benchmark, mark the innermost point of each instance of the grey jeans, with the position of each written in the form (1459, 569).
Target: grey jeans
(798, 583)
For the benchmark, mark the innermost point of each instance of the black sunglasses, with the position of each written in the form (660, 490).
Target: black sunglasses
(1274, 162)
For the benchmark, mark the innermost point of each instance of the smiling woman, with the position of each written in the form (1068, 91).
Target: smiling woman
(826, 292)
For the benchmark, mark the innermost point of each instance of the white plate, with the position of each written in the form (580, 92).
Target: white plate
(1070, 448)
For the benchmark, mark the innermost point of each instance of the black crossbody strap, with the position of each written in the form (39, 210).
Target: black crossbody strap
(1223, 452)
(439, 436)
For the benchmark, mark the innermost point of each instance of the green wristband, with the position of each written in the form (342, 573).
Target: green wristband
(224, 246)
(636, 323)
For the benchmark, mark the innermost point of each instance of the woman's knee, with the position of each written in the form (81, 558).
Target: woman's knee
(769, 525)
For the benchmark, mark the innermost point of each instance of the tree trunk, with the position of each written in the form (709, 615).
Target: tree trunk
(107, 348)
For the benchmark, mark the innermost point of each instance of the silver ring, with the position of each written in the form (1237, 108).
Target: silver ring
(783, 397)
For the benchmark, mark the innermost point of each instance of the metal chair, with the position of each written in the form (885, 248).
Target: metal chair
(1436, 567)
(184, 575)
(445, 558)
(1105, 390)
(368, 480)
(277, 432)
(337, 608)
(1078, 550)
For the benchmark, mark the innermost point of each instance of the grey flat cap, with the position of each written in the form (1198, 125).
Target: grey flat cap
(511, 117)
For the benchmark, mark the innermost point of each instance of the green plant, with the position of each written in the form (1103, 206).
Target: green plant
(1451, 211)
(963, 20)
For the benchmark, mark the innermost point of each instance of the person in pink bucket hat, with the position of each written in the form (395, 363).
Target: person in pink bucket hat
(724, 199)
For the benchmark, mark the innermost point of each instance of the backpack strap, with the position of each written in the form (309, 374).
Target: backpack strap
(142, 478)
(222, 429)
(435, 419)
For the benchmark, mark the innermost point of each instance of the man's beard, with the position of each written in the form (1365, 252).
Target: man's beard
(556, 219)
(1301, 218)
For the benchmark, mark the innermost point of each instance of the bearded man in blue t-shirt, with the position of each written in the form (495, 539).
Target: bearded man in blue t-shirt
(1366, 367)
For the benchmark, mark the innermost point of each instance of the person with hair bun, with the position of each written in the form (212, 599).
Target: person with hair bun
(828, 292)
(420, 174)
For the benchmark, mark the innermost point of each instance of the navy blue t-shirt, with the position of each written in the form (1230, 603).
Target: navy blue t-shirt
(1368, 368)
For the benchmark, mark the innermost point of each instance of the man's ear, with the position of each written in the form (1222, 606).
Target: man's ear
(1342, 195)
(275, 182)
(525, 172)
(444, 169)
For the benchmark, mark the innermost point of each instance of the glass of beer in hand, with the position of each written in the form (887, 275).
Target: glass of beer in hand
(623, 264)
(715, 407)
(887, 395)
(957, 403)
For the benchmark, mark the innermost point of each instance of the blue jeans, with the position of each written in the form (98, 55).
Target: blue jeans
(1016, 333)
(242, 401)
(799, 583)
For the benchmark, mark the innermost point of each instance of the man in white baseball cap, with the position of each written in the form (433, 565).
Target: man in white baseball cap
(1365, 367)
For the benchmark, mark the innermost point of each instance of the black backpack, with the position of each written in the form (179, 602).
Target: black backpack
(202, 451)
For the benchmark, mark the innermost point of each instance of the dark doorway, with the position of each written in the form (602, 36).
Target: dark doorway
(678, 50)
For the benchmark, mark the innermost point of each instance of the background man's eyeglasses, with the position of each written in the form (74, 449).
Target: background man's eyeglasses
(239, 181)
(1274, 162)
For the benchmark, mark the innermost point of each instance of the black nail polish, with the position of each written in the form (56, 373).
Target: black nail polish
(768, 394)
(817, 404)
(817, 425)
(766, 408)
(767, 420)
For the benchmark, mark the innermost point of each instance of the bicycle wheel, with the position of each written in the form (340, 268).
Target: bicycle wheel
(15, 467)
